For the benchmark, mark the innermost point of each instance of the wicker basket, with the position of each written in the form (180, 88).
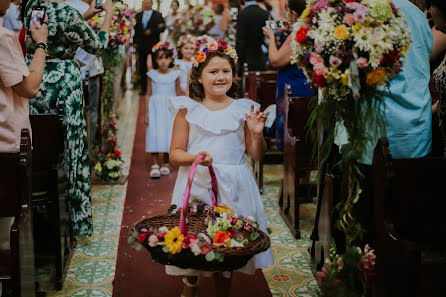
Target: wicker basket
(234, 257)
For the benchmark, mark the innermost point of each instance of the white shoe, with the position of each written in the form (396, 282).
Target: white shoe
(155, 171)
(165, 169)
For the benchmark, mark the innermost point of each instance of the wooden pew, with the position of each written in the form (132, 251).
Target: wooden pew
(53, 232)
(297, 159)
(409, 208)
(17, 259)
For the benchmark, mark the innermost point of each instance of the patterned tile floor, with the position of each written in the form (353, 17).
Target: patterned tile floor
(92, 267)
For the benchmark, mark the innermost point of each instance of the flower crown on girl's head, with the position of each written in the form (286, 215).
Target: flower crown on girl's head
(186, 38)
(200, 40)
(218, 45)
(163, 45)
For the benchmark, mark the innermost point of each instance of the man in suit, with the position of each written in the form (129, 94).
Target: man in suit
(149, 25)
(249, 37)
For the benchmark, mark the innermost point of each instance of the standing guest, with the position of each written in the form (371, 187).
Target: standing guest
(171, 18)
(149, 25)
(11, 19)
(186, 50)
(18, 83)
(163, 82)
(91, 65)
(62, 79)
(287, 73)
(438, 11)
(219, 29)
(249, 37)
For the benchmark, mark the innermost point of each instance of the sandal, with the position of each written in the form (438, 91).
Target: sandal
(165, 170)
(189, 285)
(155, 171)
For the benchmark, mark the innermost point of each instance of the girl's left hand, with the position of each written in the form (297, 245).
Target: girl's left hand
(255, 121)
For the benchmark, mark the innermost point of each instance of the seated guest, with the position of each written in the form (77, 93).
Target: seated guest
(287, 73)
(18, 83)
(438, 11)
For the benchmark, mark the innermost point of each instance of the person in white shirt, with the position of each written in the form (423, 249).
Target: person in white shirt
(11, 19)
(91, 65)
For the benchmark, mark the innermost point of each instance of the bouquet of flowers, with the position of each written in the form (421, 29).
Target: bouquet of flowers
(122, 24)
(109, 162)
(201, 20)
(349, 275)
(349, 49)
(179, 26)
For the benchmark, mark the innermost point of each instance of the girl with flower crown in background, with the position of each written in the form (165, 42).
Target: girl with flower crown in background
(162, 82)
(186, 50)
(216, 124)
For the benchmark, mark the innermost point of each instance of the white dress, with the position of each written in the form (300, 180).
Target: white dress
(159, 131)
(221, 133)
(185, 67)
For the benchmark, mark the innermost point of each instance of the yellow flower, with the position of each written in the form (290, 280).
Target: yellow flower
(404, 50)
(356, 27)
(341, 32)
(98, 167)
(201, 57)
(344, 79)
(223, 209)
(174, 240)
(375, 76)
(333, 74)
(305, 13)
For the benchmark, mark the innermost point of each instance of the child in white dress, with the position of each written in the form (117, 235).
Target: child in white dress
(162, 83)
(222, 128)
(186, 50)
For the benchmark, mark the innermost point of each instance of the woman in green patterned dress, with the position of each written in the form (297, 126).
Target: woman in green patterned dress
(67, 31)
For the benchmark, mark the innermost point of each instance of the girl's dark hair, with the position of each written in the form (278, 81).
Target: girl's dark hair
(175, 1)
(440, 4)
(196, 90)
(162, 52)
(297, 5)
(220, 8)
(179, 54)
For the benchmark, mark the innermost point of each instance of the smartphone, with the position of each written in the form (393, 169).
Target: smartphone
(98, 4)
(280, 24)
(234, 13)
(37, 17)
(271, 24)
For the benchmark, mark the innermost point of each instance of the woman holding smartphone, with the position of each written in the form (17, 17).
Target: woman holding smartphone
(67, 31)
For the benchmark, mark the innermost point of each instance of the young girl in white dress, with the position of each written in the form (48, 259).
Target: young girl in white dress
(186, 50)
(215, 124)
(162, 82)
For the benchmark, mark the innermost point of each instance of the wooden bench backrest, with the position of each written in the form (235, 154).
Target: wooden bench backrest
(15, 169)
(260, 86)
(413, 198)
(48, 139)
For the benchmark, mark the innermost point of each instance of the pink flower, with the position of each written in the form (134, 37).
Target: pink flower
(248, 226)
(320, 69)
(189, 240)
(203, 237)
(316, 59)
(234, 221)
(349, 19)
(205, 248)
(362, 62)
(153, 239)
(318, 47)
(335, 61)
(213, 46)
(359, 16)
(161, 235)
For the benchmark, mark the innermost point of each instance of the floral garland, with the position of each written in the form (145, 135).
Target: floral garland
(163, 45)
(122, 24)
(213, 46)
(223, 230)
(185, 39)
(350, 48)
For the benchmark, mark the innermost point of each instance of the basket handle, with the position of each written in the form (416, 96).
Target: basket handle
(183, 226)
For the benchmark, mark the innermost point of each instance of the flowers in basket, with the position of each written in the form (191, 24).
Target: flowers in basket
(349, 275)
(122, 24)
(350, 49)
(223, 230)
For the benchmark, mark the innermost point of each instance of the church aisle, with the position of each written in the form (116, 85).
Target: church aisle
(92, 266)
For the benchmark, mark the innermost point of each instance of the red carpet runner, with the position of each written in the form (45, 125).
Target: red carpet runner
(136, 274)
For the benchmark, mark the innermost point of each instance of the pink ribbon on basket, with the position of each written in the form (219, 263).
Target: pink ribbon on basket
(193, 169)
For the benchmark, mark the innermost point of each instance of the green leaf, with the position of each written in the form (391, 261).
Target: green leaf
(172, 208)
(138, 246)
(131, 240)
(160, 243)
(187, 221)
(165, 249)
(219, 257)
(255, 235)
(210, 256)
(135, 234)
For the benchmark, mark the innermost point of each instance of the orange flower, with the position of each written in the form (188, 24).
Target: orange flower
(220, 237)
(375, 76)
(201, 57)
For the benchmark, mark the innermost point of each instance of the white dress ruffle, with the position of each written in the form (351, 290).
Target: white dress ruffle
(221, 133)
(185, 67)
(159, 131)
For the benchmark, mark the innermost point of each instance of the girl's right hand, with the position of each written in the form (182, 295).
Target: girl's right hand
(207, 161)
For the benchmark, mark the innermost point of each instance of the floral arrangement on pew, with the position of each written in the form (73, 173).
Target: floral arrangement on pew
(109, 164)
(350, 49)
(201, 20)
(348, 275)
(122, 24)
